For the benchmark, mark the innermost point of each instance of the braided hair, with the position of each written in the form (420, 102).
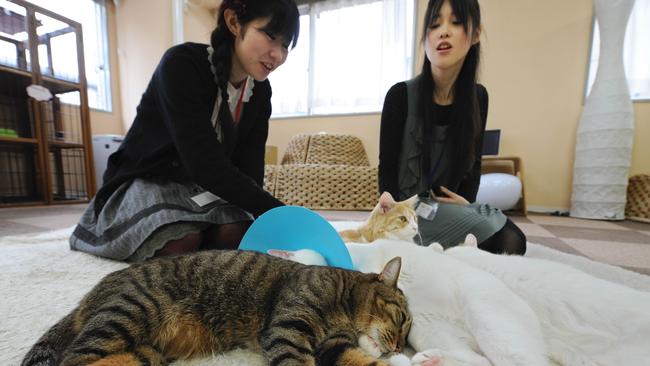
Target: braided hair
(284, 22)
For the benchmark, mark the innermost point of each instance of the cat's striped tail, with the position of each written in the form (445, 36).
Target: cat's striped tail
(48, 349)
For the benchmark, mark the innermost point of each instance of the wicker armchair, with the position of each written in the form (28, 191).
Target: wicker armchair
(325, 172)
(638, 198)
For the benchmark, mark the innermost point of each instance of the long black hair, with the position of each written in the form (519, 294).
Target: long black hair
(465, 131)
(284, 22)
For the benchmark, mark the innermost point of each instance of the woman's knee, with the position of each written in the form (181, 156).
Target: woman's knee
(517, 245)
(224, 236)
(509, 240)
(187, 244)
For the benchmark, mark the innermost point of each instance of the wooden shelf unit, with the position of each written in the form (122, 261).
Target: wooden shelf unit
(45, 146)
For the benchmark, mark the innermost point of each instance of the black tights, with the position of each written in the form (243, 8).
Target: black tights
(508, 240)
(224, 236)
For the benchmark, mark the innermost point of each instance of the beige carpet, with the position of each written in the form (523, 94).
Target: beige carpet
(621, 243)
(42, 280)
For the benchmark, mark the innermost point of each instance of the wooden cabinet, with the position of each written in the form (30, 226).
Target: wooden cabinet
(45, 144)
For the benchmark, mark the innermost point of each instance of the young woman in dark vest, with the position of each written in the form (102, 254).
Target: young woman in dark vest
(432, 135)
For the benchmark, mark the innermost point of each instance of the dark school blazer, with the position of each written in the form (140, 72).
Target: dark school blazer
(172, 135)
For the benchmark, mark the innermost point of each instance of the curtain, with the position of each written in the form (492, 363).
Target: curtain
(353, 67)
(349, 54)
(637, 51)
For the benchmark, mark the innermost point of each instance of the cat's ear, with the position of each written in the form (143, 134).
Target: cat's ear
(412, 201)
(390, 274)
(386, 202)
(470, 241)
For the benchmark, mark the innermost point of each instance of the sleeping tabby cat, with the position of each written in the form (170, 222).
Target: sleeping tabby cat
(388, 220)
(191, 306)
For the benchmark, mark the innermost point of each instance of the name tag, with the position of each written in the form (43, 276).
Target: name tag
(427, 210)
(204, 198)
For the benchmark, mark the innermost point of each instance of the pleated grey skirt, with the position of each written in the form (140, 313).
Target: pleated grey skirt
(453, 222)
(144, 214)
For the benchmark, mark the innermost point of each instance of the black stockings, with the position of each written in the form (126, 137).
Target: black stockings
(508, 240)
(224, 236)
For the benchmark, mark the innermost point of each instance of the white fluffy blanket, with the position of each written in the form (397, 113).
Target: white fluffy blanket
(41, 280)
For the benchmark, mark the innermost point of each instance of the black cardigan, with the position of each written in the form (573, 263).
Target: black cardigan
(393, 120)
(172, 135)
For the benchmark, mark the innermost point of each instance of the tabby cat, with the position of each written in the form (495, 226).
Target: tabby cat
(191, 306)
(388, 220)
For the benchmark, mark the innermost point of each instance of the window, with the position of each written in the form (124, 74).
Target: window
(92, 16)
(636, 52)
(349, 54)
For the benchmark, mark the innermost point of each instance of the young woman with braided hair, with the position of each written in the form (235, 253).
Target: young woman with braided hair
(190, 170)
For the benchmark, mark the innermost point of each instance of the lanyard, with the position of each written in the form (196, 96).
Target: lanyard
(238, 108)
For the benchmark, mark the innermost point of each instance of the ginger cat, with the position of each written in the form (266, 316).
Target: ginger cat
(388, 220)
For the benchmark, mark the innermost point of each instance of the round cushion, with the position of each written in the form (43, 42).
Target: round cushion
(499, 190)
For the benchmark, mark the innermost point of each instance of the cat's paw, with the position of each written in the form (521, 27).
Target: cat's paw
(304, 256)
(369, 346)
(281, 253)
(430, 357)
(439, 357)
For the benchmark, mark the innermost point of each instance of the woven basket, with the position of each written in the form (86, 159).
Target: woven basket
(325, 148)
(270, 178)
(327, 187)
(325, 172)
(296, 152)
(638, 198)
(335, 149)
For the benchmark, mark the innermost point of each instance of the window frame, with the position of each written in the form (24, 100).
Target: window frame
(104, 51)
(105, 96)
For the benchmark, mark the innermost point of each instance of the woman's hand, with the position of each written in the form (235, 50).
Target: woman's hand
(451, 197)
